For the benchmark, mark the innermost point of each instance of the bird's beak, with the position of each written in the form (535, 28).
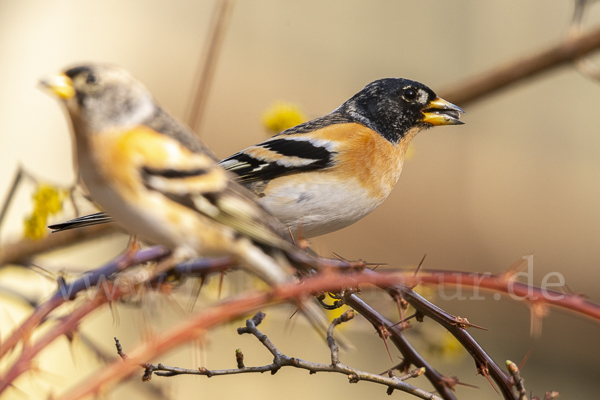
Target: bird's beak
(60, 85)
(442, 112)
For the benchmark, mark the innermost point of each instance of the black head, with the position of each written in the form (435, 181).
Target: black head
(394, 106)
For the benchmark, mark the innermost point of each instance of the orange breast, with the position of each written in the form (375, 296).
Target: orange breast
(365, 155)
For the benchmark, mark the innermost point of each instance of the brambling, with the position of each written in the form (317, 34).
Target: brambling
(328, 173)
(158, 181)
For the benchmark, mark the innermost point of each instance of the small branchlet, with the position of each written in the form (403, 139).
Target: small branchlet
(280, 360)
(517, 380)
(239, 358)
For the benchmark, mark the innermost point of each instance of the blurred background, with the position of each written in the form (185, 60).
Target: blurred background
(521, 177)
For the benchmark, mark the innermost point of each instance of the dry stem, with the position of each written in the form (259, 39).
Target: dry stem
(280, 360)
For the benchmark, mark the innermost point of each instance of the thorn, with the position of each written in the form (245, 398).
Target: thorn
(419, 266)
(294, 313)
(383, 334)
(515, 267)
(221, 283)
(463, 323)
(525, 359)
(405, 319)
(115, 314)
(43, 272)
(197, 290)
(484, 371)
(467, 385)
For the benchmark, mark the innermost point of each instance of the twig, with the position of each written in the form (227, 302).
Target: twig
(522, 68)
(456, 326)
(584, 65)
(154, 391)
(11, 192)
(221, 13)
(22, 251)
(518, 381)
(411, 356)
(280, 360)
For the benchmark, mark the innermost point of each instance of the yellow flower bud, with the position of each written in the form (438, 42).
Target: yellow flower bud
(281, 116)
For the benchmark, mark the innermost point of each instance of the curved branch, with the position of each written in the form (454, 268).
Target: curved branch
(523, 68)
(503, 284)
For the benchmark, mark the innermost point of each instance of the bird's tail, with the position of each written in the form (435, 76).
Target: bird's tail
(275, 269)
(80, 222)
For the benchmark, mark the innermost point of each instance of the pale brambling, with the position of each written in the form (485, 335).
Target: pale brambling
(328, 173)
(158, 181)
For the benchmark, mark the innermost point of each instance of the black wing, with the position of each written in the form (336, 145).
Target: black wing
(277, 157)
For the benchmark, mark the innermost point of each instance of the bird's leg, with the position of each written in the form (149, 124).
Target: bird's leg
(133, 246)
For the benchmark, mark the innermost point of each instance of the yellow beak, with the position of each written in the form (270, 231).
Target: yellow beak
(442, 112)
(60, 85)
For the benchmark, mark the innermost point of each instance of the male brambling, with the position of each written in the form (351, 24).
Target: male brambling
(158, 181)
(328, 173)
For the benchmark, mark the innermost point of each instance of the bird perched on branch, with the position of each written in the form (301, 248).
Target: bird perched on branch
(328, 173)
(158, 181)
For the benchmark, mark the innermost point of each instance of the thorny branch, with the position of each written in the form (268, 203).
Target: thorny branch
(330, 281)
(443, 385)
(112, 290)
(225, 311)
(457, 327)
(506, 285)
(281, 360)
(572, 49)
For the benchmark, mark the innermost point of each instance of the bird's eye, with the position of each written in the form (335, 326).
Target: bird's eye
(409, 94)
(92, 79)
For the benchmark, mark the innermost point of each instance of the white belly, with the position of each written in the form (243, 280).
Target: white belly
(313, 205)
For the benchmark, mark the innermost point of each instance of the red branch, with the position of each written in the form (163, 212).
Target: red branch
(67, 292)
(502, 284)
(190, 329)
(234, 308)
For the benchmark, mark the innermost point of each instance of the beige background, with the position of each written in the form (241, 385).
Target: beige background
(522, 176)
